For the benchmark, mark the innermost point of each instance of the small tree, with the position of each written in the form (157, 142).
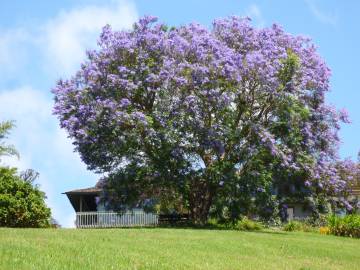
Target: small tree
(21, 203)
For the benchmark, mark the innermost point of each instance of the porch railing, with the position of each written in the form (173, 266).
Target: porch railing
(113, 219)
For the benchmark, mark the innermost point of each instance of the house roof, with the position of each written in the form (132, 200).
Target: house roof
(83, 199)
(90, 190)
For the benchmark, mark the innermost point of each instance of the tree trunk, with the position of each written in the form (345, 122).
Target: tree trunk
(200, 200)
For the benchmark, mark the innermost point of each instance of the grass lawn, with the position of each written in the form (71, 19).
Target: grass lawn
(173, 249)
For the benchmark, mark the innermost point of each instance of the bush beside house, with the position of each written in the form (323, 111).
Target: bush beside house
(345, 226)
(22, 204)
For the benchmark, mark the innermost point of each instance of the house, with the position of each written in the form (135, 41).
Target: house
(355, 193)
(297, 211)
(91, 213)
(84, 200)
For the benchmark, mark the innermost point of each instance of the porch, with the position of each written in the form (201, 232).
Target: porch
(109, 219)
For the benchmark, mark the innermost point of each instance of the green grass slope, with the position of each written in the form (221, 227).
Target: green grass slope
(173, 249)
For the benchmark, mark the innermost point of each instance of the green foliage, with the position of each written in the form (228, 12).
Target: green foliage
(295, 225)
(6, 150)
(348, 225)
(244, 224)
(248, 225)
(292, 226)
(320, 220)
(291, 64)
(21, 203)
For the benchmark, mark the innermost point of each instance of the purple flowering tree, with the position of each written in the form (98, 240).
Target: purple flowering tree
(339, 180)
(201, 116)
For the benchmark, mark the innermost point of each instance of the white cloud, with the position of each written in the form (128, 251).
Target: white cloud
(61, 41)
(36, 130)
(254, 12)
(30, 109)
(323, 17)
(13, 51)
(60, 44)
(72, 32)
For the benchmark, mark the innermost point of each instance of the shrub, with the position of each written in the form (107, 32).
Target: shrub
(295, 225)
(248, 225)
(345, 226)
(316, 221)
(21, 203)
(292, 226)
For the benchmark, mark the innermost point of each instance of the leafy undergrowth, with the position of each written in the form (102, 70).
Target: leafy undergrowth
(248, 225)
(345, 226)
(160, 248)
(294, 225)
(245, 224)
(348, 225)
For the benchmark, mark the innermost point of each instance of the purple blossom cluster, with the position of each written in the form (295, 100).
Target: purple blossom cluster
(339, 179)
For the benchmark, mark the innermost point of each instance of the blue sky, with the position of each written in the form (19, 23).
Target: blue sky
(42, 41)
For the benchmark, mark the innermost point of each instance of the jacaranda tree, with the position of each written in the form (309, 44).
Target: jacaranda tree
(213, 118)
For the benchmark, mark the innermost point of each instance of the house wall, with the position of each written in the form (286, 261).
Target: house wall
(100, 207)
(297, 212)
(300, 212)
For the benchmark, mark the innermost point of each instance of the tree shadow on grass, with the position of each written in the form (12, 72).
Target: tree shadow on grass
(201, 228)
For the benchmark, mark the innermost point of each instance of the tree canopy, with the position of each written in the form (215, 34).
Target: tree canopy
(21, 203)
(232, 117)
